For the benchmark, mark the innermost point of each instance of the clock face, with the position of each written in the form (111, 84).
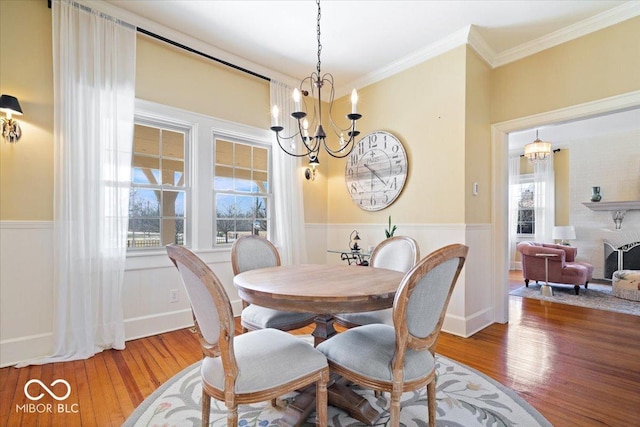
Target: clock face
(376, 171)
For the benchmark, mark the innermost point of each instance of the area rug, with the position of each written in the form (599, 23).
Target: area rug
(596, 296)
(465, 398)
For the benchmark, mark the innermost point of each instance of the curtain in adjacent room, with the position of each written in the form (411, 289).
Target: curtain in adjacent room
(544, 194)
(514, 195)
(289, 233)
(94, 58)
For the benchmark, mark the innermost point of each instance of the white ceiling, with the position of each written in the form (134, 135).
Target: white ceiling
(364, 40)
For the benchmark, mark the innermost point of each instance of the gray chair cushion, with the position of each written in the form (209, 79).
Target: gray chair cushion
(368, 351)
(263, 317)
(368, 317)
(266, 358)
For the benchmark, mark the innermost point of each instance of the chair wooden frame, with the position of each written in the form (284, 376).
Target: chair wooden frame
(235, 265)
(406, 341)
(375, 256)
(224, 348)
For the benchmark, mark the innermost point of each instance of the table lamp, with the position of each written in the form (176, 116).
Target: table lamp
(564, 233)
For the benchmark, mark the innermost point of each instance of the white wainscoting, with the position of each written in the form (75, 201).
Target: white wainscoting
(471, 306)
(26, 281)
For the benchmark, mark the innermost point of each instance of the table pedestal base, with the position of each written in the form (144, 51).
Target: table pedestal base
(324, 329)
(340, 395)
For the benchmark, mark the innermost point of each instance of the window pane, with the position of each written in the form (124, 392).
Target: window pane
(242, 156)
(146, 170)
(245, 206)
(226, 230)
(260, 158)
(172, 144)
(243, 181)
(143, 233)
(260, 179)
(224, 152)
(144, 203)
(223, 181)
(173, 172)
(225, 206)
(146, 140)
(172, 231)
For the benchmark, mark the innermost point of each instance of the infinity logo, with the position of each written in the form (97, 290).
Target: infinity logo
(52, 394)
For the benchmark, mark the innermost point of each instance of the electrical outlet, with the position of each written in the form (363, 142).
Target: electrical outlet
(173, 295)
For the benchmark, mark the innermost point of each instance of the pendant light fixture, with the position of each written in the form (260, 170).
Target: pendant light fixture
(537, 150)
(302, 143)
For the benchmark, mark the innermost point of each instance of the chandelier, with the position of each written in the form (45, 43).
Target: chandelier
(302, 143)
(537, 150)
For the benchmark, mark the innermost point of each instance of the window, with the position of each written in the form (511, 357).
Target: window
(242, 197)
(526, 223)
(157, 198)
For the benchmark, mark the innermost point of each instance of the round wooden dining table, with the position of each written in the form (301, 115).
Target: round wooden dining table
(319, 288)
(324, 290)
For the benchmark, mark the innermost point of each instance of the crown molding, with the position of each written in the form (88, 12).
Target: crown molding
(443, 45)
(606, 19)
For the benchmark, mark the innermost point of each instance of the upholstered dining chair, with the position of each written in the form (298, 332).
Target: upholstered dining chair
(248, 368)
(401, 357)
(251, 252)
(399, 253)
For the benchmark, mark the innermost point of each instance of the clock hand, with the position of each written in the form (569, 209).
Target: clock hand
(375, 173)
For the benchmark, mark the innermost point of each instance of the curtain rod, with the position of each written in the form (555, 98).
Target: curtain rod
(197, 52)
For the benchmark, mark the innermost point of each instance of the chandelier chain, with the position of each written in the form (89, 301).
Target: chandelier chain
(318, 32)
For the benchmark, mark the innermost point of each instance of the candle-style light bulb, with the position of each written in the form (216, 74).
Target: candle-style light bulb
(275, 113)
(296, 99)
(354, 101)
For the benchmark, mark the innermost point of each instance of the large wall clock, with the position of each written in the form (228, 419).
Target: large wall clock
(376, 171)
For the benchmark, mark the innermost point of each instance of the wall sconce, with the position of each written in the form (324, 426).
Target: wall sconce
(353, 241)
(310, 172)
(10, 128)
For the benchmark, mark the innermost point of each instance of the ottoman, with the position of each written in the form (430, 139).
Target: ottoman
(626, 284)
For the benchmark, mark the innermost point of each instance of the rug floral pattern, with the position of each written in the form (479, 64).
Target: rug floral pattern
(464, 396)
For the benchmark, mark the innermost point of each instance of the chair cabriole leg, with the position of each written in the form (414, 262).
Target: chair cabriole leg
(431, 403)
(206, 408)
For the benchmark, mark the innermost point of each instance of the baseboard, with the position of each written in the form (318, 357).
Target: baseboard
(466, 326)
(20, 349)
(145, 326)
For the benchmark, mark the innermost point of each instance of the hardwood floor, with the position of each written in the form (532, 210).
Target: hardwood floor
(578, 367)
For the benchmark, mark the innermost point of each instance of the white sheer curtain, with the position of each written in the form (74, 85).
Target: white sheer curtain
(544, 195)
(287, 179)
(514, 195)
(94, 93)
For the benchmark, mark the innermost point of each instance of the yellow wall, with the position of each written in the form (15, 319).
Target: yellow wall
(424, 107)
(477, 140)
(599, 65)
(172, 76)
(26, 168)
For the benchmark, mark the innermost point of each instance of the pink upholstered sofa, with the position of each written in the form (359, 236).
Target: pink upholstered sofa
(563, 267)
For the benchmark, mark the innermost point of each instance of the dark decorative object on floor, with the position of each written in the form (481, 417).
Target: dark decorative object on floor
(595, 196)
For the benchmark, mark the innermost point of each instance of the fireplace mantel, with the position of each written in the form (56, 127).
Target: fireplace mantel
(617, 209)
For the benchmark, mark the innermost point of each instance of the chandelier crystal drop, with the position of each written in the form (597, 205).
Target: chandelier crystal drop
(302, 143)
